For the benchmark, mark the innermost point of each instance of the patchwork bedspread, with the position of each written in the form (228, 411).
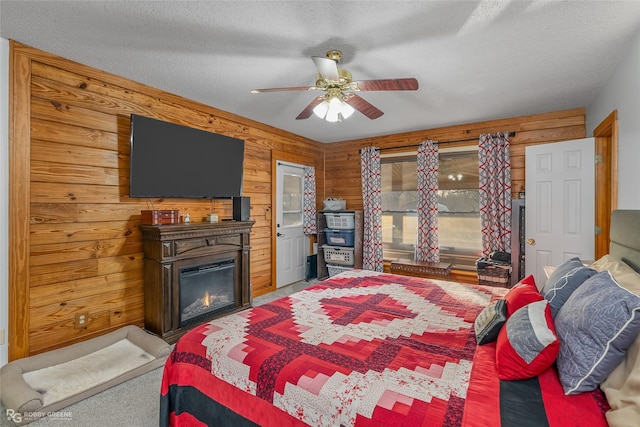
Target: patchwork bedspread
(360, 349)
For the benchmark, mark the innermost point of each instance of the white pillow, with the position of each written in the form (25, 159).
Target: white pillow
(622, 388)
(624, 275)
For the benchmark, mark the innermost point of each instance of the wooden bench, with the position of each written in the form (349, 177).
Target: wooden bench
(433, 270)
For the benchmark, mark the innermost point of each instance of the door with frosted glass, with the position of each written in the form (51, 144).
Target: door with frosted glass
(291, 246)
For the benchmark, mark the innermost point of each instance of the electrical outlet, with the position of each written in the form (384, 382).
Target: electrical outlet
(82, 320)
(1, 336)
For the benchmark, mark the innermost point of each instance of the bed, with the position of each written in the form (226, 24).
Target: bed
(374, 349)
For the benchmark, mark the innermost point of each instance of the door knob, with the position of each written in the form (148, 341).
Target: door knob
(531, 241)
(279, 234)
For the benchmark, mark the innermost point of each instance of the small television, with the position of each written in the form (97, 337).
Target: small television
(175, 161)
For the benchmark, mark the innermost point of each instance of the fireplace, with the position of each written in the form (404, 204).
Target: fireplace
(193, 273)
(205, 290)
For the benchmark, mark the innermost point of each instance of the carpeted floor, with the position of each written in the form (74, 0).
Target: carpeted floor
(134, 403)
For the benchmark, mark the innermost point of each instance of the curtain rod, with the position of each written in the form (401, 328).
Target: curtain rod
(442, 142)
(292, 165)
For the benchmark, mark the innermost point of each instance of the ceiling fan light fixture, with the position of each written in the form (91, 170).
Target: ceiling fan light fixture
(339, 88)
(346, 110)
(333, 109)
(321, 109)
(333, 115)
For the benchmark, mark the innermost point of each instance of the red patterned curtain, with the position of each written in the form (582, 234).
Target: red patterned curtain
(427, 243)
(372, 202)
(495, 192)
(309, 225)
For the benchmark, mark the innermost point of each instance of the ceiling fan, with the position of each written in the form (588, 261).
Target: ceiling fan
(339, 100)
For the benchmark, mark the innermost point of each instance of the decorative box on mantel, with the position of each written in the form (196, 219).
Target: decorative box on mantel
(155, 217)
(194, 272)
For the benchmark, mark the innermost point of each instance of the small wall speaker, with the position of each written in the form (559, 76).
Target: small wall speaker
(241, 208)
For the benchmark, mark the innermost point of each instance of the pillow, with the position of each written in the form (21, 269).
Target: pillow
(524, 292)
(563, 281)
(622, 388)
(597, 324)
(490, 321)
(527, 344)
(621, 272)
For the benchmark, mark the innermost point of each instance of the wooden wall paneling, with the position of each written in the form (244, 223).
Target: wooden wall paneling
(87, 212)
(19, 201)
(46, 130)
(86, 193)
(97, 95)
(74, 230)
(46, 314)
(93, 160)
(70, 114)
(59, 272)
(75, 251)
(126, 309)
(120, 263)
(53, 213)
(78, 232)
(73, 174)
(81, 288)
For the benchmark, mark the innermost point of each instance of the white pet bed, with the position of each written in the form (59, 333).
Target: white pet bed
(56, 379)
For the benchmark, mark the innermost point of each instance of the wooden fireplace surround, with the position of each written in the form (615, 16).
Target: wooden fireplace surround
(167, 248)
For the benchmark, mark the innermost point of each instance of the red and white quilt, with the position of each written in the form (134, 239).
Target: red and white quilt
(360, 349)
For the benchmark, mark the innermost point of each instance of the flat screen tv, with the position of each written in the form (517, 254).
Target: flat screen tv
(174, 161)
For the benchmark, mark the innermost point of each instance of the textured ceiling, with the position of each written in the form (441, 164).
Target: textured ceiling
(474, 60)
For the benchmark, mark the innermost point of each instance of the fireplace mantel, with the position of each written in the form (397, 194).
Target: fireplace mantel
(167, 248)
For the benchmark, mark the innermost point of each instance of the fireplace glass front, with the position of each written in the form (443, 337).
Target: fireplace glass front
(206, 289)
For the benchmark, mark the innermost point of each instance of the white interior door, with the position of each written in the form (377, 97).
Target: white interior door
(291, 242)
(559, 214)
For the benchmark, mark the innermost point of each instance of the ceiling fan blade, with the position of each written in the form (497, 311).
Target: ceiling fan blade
(388, 84)
(306, 113)
(280, 89)
(363, 106)
(328, 68)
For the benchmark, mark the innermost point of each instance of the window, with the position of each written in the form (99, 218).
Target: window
(459, 230)
(292, 194)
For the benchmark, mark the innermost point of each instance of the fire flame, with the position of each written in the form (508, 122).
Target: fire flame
(206, 301)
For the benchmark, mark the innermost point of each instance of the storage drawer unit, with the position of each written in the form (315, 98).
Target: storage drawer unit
(337, 269)
(339, 243)
(339, 237)
(337, 255)
(342, 221)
